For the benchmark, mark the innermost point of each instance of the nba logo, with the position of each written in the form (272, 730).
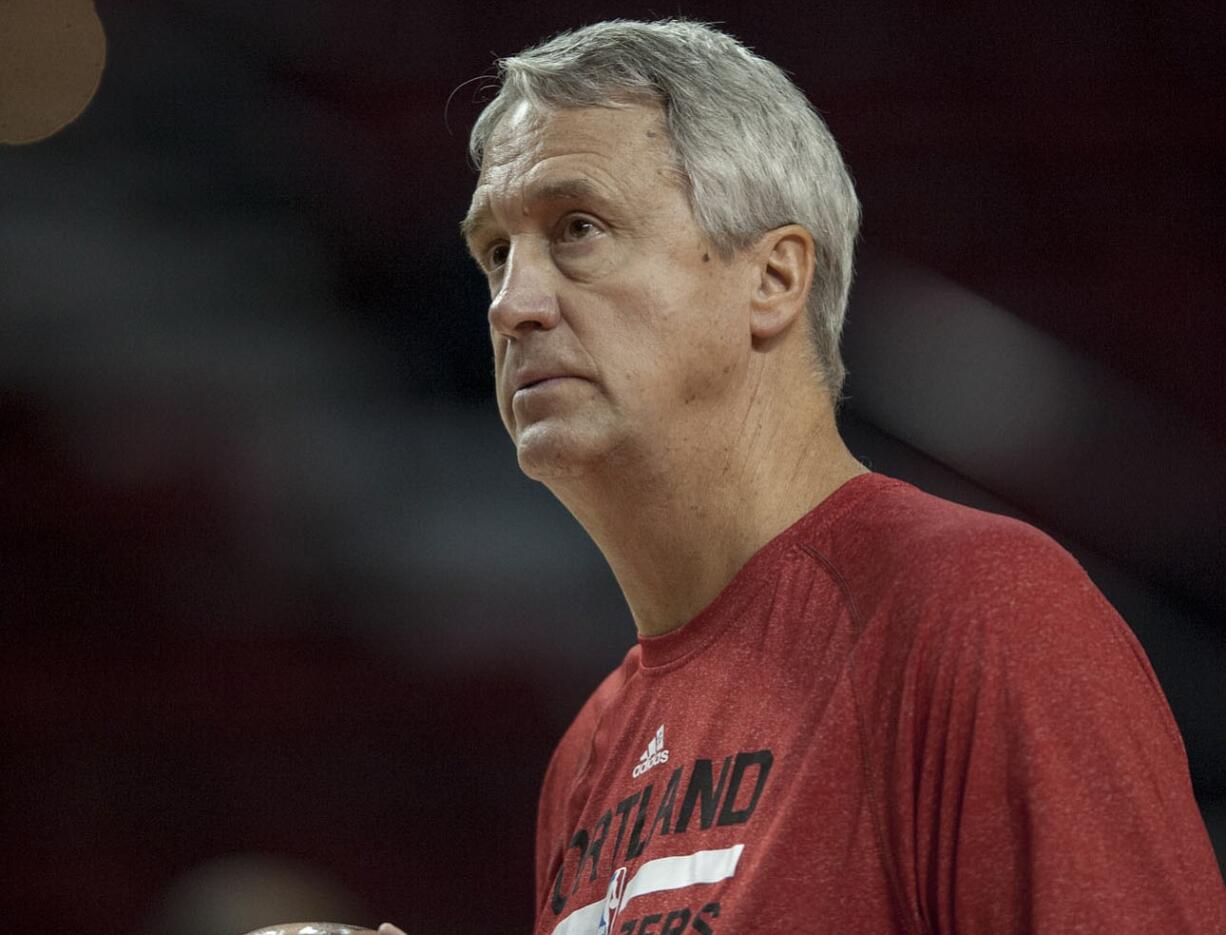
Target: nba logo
(612, 901)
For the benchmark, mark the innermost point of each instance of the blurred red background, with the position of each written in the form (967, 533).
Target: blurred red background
(270, 583)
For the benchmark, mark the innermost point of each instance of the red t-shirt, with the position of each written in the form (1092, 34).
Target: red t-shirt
(902, 715)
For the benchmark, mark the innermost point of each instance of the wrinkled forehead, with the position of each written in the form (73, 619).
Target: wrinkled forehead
(524, 132)
(521, 119)
(617, 129)
(618, 142)
(527, 114)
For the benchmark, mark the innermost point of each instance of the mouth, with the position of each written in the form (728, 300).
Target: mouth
(543, 382)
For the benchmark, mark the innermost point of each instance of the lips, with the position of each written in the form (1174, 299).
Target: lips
(528, 384)
(531, 378)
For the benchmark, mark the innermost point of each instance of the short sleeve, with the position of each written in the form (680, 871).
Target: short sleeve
(1053, 793)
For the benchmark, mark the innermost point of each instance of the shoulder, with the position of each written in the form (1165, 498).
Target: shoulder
(901, 548)
(943, 592)
(911, 529)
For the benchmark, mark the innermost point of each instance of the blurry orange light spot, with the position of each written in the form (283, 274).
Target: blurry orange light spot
(52, 53)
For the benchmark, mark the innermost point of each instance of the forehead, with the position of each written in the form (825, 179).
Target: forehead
(619, 152)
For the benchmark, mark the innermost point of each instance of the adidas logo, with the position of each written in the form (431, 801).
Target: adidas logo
(654, 755)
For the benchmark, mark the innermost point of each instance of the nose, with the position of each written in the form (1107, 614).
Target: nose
(525, 299)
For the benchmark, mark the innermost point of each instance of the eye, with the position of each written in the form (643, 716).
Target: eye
(496, 255)
(576, 228)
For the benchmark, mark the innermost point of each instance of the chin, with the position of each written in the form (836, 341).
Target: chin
(552, 452)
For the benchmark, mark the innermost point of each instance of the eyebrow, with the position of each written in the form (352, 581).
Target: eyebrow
(574, 189)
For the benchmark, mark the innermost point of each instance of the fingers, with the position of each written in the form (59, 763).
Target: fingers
(388, 929)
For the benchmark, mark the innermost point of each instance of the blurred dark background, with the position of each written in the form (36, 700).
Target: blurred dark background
(276, 603)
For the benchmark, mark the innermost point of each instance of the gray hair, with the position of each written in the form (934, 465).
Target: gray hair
(754, 153)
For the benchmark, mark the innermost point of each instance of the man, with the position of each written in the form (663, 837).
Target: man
(852, 707)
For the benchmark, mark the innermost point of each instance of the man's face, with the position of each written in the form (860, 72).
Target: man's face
(617, 332)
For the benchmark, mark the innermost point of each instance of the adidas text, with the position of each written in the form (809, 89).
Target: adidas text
(654, 755)
(654, 760)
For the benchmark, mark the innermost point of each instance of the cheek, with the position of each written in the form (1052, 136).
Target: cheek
(704, 339)
(673, 360)
(667, 337)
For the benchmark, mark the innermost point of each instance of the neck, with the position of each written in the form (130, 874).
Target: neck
(676, 524)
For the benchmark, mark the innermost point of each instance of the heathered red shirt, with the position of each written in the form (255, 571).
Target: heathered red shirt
(902, 715)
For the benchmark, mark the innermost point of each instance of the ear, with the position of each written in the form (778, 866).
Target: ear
(784, 270)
